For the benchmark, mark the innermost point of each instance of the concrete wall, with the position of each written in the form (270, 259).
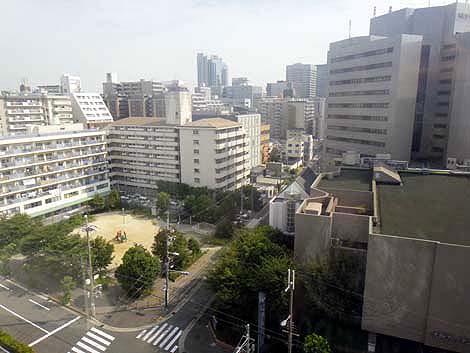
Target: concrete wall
(350, 227)
(312, 237)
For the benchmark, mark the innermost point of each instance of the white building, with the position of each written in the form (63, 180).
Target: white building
(215, 154)
(53, 170)
(303, 78)
(143, 151)
(70, 84)
(372, 90)
(178, 107)
(89, 109)
(252, 125)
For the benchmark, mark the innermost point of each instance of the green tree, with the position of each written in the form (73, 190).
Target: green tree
(5, 254)
(224, 229)
(163, 201)
(176, 244)
(101, 253)
(316, 344)
(97, 203)
(67, 284)
(275, 155)
(138, 271)
(194, 246)
(14, 229)
(113, 200)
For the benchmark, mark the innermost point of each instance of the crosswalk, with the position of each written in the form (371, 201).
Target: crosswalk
(94, 341)
(165, 337)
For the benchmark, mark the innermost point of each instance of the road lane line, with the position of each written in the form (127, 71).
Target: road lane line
(142, 333)
(174, 349)
(93, 343)
(157, 333)
(42, 306)
(4, 287)
(23, 318)
(85, 347)
(104, 334)
(17, 285)
(54, 331)
(162, 343)
(43, 297)
(172, 342)
(3, 350)
(150, 333)
(97, 338)
(76, 350)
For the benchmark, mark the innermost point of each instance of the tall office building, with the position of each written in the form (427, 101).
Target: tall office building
(212, 72)
(303, 79)
(70, 84)
(321, 81)
(241, 93)
(372, 91)
(441, 127)
(280, 89)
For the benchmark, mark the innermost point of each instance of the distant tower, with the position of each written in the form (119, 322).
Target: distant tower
(389, 9)
(375, 11)
(24, 87)
(350, 24)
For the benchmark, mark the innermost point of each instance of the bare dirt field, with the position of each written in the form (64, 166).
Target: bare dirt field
(139, 230)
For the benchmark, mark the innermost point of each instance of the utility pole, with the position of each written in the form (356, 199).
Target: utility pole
(167, 259)
(85, 294)
(291, 281)
(246, 344)
(123, 216)
(89, 228)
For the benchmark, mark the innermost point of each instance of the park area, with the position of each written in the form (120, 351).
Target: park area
(136, 228)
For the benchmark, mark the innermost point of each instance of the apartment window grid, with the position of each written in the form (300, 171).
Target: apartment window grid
(362, 68)
(356, 141)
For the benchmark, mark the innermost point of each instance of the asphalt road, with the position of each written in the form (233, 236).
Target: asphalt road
(48, 327)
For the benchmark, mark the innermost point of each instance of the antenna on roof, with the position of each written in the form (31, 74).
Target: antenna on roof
(375, 11)
(350, 24)
(389, 9)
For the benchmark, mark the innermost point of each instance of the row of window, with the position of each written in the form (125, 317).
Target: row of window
(446, 70)
(362, 68)
(358, 129)
(358, 105)
(440, 126)
(377, 92)
(356, 141)
(438, 136)
(358, 117)
(443, 93)
(355, 81)
(448, 58)
(362, 55)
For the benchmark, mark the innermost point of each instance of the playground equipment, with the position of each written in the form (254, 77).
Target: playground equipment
(121, 236)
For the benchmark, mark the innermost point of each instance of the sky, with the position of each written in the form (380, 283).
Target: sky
(156, 39)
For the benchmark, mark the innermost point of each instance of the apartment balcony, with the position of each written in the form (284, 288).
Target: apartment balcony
(24, 104)
(24, 111)
(17, 119)
(62, 110)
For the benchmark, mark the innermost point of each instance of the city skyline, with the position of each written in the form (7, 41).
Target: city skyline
(92, 38)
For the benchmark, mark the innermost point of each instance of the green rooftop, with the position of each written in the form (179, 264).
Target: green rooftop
(434, 207)
(350, 179)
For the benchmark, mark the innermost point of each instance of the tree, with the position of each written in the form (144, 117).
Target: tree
(224, 229)
(194, 246)
(14, 229)
(101, 253)
(163, 201)
(97, 203)
(316, 344)
(67, 284)
(176, 244)
(113, 201)
(138, 271)
(275, 155)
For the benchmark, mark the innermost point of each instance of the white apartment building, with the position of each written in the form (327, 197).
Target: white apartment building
(252, 125)
(143, 151)
(178, 107)
(372, 91)
(70, 84)
(54, 170)
(20, 111)
(214, 153)
(89, 109)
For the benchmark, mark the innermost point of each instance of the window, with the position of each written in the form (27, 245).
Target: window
(356, 141)
(195, 132)
(358, 129)
(380, 92)
(196, 161)
(358, 117)
(362, 55)
(443, 93)
(196, 170)
(196, 151)
(362, 68)
(440, 126)
(445, 82)
(438, 136)
(197, 180)
(195, 142)
(358, 105)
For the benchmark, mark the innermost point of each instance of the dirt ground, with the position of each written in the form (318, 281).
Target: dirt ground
(139, 230)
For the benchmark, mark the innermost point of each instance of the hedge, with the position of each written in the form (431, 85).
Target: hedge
(12, 345)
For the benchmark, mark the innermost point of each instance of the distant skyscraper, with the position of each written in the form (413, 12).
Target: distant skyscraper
(303, 79)
(279, 89)
(211, 71)
(70, 84)
(322, 81)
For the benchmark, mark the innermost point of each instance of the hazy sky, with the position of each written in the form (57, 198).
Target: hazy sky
(41, 39)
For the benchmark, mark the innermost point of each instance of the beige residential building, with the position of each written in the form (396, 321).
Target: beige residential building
(143, 151)
(52, 171)
(89, 109)
(214, 153)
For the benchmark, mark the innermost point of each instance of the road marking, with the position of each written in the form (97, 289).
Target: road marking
(4, 287)
(104, 334)
(174, 349)
(173, 341)
(97, 338)
(17, 285)
(42, 306)
(162, 335)
(23, 318)
(43, 297)
(84, 346)
(76, 350)
(3, 350)
(168, 337)
(142, 333)
(157, 333)
(94, 344)
(54, 331)
(150, 333)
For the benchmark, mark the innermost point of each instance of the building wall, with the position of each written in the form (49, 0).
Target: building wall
(252, 125)
(90, 109)
(350, 227)
(303, 79)
(178, 107)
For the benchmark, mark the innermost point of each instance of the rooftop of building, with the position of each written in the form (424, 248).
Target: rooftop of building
(349, 179)
(433, 207)
(213, 123)
(140, 121)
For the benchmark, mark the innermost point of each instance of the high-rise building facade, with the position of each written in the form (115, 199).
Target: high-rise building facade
(52, 171)
(303, 79)
(280, 89)
(321, 81)
(372, 92)
(441, 103)
(212, 72)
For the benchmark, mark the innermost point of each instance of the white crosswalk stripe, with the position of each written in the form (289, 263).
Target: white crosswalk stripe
(164, 336)
(94, 341)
